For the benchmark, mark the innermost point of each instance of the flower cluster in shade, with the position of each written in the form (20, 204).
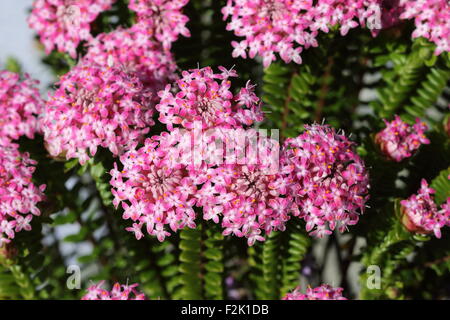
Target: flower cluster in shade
(285, 27)
(329, 180)
(63, 24)
(420, 214)
(19, 196)
(400, 140)
(96, 107)
(432, 21)
(21, 104)
(162, 19)
(131, 51)
(204, 96)
(323, 292)
(118, 292)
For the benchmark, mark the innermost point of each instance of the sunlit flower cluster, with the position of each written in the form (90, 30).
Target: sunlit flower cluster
(18, 195)
(95, 107)
(20, 104)
(247, 193)
(286, 27)
(330, 182)
(420, 214)
(205, 96)
(154, 190)
(63, 24)
(118, 292)
(432, 20)
(324, 292)
(163, 19)
(400, 140)
(131, 51)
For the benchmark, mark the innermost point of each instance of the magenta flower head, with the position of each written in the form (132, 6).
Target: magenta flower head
(324, 292)
(329, 180)
(163, 19)
(246, 194)
(285, 27)
(420, 213)
(18, 195)
(154, 190)
(131, 51)
(21, 104)
(96, 107)
(432, 20)
(63, 24)
(400, 140)
(118, 292)
(205, 96)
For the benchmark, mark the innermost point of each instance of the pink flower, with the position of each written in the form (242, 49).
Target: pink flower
(96, 107)
(420, 213)
(286, 26)
(243, 189)
(63, 24)
(162, 19)
(400, 140)
(329, 181)
(118, 292)
(324, 292)
(153, 190)
(432, 20)
(246, 198)
(21, 104)
(18, 195)
(204, 96)
(131, 51)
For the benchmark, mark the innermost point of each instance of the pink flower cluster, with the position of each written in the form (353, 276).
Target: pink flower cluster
(420, 213)
(21, 104)
(159, 191)
(329, 181)
(163, 19)
(94, 107)
(18, 195)
(432, 20)
(324, 292)
(287, 26)
(399, 140)
(205, 96)
(118, 292)
(248, 191)
(63, 24)
(131, 51)
(161, 183)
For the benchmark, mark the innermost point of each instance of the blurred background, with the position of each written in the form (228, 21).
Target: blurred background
(18, 40)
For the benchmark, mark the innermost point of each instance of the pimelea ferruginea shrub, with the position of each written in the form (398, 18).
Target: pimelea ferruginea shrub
(158, 155)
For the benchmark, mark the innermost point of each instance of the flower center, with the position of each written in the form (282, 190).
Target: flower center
(161, 182)
(251, 184)
(273, 9)
(69, 14)
(85, 98)
(208, 109)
